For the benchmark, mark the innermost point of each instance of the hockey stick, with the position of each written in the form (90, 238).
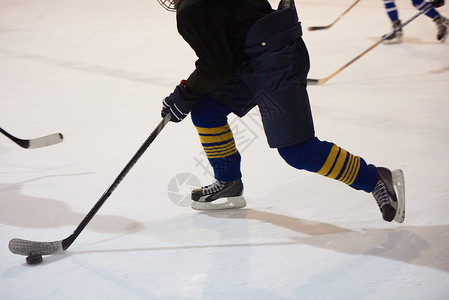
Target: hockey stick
(25, 247)
(312, 28)
(40, 142)
(385, 37)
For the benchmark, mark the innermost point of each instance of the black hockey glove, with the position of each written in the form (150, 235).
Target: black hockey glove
(178, 104)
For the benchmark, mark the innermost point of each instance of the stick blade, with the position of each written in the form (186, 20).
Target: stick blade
(25, 247)
(313, 28)
(320, 81)
(45, 141)
(313, 81)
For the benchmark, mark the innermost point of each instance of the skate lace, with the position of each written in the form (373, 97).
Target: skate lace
(381, 195)
(212, 188)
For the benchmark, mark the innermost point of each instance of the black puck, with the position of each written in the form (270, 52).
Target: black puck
(34, 259)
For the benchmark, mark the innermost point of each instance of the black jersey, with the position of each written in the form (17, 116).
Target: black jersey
(215, 29)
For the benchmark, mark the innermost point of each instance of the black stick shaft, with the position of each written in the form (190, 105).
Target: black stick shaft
(69, 240)
(20, 142)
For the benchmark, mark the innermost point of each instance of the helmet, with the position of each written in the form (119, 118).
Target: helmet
(168, 4)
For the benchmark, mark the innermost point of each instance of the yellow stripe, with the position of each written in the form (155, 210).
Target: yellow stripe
(232, 151)
(210, 139)
(330, 161)
(214, 130)
(209, 148)
(345, 175)
(219, 150)
(356, 171)
(351, 169)
(339, 165)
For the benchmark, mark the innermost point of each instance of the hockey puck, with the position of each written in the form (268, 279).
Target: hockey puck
(34, 259)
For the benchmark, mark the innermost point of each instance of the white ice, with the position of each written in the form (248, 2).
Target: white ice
(96, 71)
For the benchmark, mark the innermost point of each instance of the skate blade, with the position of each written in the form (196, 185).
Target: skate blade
(224, 203)
(399, 186)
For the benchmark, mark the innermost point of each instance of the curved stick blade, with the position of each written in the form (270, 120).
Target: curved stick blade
(313, 28)
(25, 247)
(312, 81)
(45, 141)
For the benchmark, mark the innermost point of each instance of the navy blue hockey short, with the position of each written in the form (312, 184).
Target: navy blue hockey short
(274, 78)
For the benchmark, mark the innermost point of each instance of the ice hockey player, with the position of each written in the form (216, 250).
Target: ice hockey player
(441, 22)
(248, 55)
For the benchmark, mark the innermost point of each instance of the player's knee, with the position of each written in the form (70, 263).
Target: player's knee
(307, 155)
(209, 113)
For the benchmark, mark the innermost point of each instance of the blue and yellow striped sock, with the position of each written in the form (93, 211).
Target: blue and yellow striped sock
(341, 165)
(219, 145)
(329, 160)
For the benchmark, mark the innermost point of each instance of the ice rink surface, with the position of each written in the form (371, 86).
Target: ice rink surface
(96, 71)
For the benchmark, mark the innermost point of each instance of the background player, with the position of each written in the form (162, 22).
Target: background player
(441, 22)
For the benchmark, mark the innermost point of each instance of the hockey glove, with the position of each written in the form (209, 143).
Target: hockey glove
(178, 104)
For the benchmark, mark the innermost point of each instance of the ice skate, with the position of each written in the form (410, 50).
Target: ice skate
(442, 28)
(396, 37)
(390, 194)
(219, 195)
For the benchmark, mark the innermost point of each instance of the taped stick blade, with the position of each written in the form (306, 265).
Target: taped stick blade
(313, 28)
(312, 81)
(25, 247)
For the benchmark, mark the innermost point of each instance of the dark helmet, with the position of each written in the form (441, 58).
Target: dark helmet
(168, 4)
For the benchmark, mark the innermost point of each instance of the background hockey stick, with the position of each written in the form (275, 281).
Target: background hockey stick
(312, 28)
(25, 247)
(40, 142)
(385, 37)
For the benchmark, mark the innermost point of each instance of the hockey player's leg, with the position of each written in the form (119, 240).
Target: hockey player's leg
(210, 120)
(422, 5)
(442, 28)
(331, 161)
(393, 14)
(441, 22)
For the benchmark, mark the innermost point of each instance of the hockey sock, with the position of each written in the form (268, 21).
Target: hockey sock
(210, 120)
(329, 160)
(392, 11)
(422, 5)
(219, 145)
